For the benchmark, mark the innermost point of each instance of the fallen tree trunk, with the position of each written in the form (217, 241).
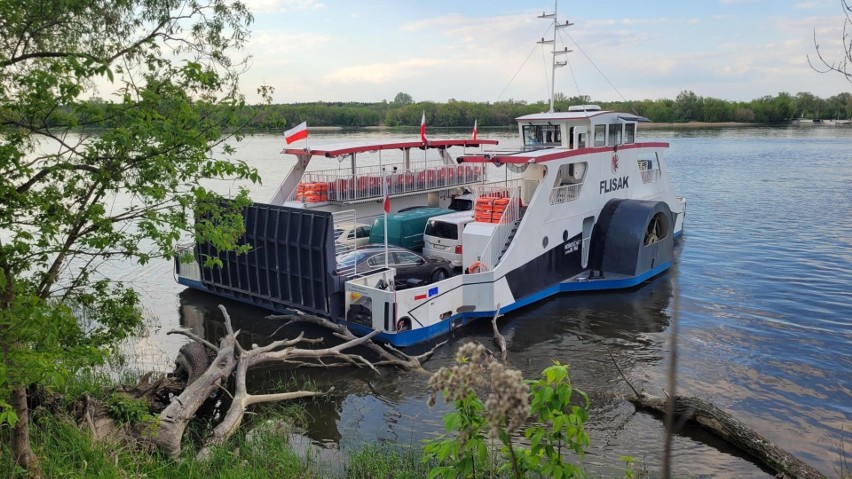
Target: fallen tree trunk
(231, 358)
(734, 431)
(176, 416)
(389, 355)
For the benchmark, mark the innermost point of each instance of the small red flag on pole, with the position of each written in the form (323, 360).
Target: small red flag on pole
(423, 128)
(386, 207)
(474, 129)
(387, 196)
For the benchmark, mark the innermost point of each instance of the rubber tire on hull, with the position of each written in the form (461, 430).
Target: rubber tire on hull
(191, 362)
(618, 240)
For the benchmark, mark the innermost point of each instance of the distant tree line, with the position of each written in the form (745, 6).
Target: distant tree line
(404, 111)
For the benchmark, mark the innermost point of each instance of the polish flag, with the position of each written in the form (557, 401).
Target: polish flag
(296, 133)
(474, 129)
(387, 196)
(423, 128)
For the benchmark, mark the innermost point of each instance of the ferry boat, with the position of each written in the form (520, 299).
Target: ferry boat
(585, 205)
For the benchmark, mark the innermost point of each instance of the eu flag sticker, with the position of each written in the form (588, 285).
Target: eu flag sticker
(433, 291)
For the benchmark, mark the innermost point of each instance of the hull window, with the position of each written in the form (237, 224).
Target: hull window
(569, 180)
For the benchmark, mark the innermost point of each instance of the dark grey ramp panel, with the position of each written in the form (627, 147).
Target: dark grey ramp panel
(291, 264)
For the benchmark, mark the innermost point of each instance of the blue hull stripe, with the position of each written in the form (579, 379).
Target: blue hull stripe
(419, 335)
(442, 328)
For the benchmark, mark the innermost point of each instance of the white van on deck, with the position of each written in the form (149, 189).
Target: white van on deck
(442, 237)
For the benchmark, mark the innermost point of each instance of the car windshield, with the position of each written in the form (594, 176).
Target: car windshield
(348, 259)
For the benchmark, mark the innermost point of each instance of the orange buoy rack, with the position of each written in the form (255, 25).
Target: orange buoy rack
(312, 192)
(489, 208)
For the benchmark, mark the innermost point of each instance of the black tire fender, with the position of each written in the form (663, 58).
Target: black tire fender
(618, 239)
(404, 324)
(191, 361)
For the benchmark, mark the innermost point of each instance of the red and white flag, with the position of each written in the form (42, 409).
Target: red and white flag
(474, 129)
(423, 128)
(386, 204)
(296, 133)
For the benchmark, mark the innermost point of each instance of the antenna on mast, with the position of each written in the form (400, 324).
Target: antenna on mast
(556, 64)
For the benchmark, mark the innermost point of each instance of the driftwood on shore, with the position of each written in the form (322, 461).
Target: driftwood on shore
(206, 379)
(725, 426)
(733, 431)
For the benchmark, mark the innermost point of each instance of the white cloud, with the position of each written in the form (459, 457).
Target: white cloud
(277, 6)
(266, 45)
(382, 72)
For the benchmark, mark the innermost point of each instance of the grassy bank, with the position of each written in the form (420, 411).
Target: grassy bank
(262, 449)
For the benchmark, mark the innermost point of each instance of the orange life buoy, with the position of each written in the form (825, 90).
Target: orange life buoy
(476, 267)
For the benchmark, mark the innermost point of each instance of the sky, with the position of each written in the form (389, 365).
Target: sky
(486, 50)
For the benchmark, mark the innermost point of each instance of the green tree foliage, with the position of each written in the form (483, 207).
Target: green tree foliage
(688, 106)
(402, 99)
(461, 114)
(70, 200)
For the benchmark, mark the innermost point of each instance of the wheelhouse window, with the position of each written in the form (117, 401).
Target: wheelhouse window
(600, 135)
(630, 133)
(614, 135)
(542, 135)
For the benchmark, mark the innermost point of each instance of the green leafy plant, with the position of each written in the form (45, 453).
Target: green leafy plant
(128, 410)
(544, 409)
(559, 424)
(630, 467)
(463, 450)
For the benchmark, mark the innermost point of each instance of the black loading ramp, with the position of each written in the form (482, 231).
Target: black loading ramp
(290, 266)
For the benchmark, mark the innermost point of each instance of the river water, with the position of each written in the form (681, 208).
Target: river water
(761, 290)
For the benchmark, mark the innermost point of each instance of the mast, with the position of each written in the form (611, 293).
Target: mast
(556, 64)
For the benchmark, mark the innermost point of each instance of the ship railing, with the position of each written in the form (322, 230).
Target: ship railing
(494, 249)
(650, 176)
(367, 182)
(565, 193)
(499, 189)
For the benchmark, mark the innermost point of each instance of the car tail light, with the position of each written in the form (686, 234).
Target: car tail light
(458, 249)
